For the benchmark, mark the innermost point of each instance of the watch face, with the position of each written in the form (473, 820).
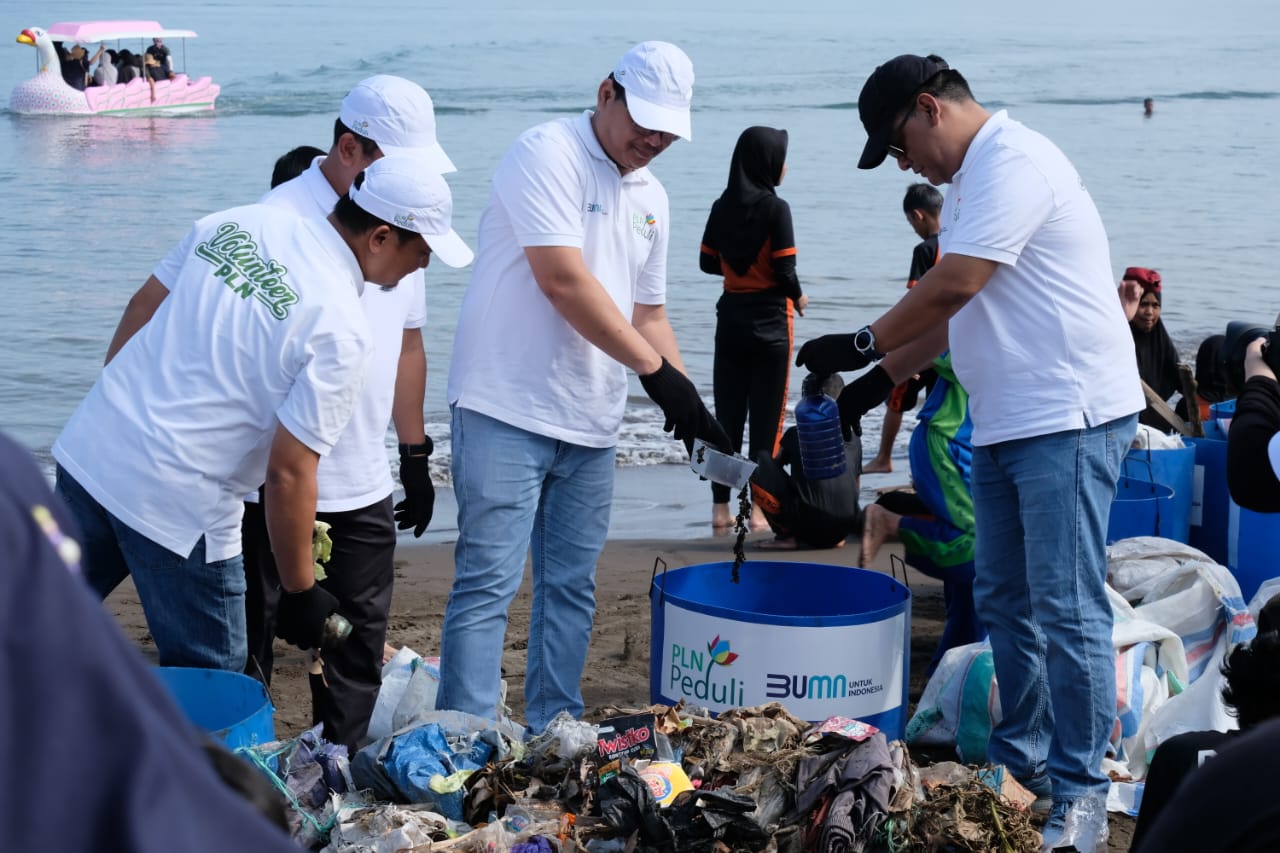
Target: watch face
(863, 340)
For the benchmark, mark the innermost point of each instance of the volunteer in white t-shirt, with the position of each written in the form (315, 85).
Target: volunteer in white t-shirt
(1024, 297)
(568, 291)
(354, 481)
(239, 361)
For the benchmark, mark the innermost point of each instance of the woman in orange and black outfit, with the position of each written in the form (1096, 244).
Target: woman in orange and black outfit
(750, 242)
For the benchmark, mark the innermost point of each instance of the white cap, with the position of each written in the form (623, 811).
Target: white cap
(401, 191)
(658, 77)
(398, 115)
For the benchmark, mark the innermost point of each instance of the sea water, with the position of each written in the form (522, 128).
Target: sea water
(91, 204)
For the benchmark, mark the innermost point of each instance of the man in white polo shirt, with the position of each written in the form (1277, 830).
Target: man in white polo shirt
(238, 362)
(394, 115)
(1023, 295)
(568, 290)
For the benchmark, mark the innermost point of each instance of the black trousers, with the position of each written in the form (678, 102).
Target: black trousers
(749, 373)
(361, 573)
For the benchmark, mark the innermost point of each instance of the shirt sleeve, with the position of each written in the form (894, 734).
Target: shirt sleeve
(923, 257)
(651, 283)
(782, 240)
(417, 317)
(325, 392)
(1000, 209)
(169, 268)
(541, 186)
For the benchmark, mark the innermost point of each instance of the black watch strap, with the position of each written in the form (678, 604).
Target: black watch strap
(864, 341)
(423, 449)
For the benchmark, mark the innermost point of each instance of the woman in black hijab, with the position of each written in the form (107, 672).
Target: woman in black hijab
(750, 242)
(1157, 357)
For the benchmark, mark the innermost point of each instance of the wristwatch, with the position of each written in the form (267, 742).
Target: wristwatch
(864, 341)
(423, 449)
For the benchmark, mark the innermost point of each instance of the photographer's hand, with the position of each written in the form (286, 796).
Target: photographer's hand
(1255, 364)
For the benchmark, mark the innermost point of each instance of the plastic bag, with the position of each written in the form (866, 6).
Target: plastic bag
(395, 679)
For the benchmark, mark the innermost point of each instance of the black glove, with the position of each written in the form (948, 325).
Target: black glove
(687, 416)
(300, 620)
(831, 354)
(861, 396)
(419, 493)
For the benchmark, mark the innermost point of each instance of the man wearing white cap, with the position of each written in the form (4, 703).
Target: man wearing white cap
(239, 361)
(568, 290)
(382, 115)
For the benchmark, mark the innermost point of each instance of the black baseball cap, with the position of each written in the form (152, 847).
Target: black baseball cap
(885, 93)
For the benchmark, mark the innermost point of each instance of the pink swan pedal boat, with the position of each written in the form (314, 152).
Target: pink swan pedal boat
(48, 94)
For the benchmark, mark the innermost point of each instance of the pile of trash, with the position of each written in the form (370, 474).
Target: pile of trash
(652, 779)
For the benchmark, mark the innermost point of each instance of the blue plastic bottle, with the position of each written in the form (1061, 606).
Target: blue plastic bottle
(818, 428)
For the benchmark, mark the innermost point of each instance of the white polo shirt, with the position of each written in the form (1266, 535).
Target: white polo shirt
(515, 358)
(1044, 346)
(356, 474)
(262, 323)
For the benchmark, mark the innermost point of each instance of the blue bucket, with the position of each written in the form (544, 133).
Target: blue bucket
(1140, 508)
(1210, 501)
(1253, 548)
(823, 640)
(231, 707)
(1173, 467)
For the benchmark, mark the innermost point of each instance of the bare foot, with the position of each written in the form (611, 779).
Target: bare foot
(758, 521)
(879, 465)
(878, 526)
(778, 544)
(721, 518)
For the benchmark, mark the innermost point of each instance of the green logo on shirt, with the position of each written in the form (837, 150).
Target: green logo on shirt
(235, 255)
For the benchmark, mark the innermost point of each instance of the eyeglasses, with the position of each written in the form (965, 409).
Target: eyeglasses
(898, 152)
(664, 137)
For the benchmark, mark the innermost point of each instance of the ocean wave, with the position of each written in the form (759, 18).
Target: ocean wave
(1208, 95)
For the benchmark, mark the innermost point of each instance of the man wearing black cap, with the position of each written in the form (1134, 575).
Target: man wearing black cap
(1023, 296)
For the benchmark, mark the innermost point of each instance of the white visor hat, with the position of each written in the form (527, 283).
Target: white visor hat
(402, 190)
(398, 115)
(658, 79)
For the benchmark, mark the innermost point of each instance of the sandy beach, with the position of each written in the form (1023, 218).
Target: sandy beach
(661, 513)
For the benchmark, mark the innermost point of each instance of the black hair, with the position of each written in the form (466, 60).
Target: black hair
(922, 197)
(367, 145)
(357, 220)
(111, 53)
(1252, 671)
(947, 85)
(293, 163)
(619, 91)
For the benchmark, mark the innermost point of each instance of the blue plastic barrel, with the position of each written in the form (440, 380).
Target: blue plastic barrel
(1246, 542)
(229, 706)
(1173, 467)
(1140, 508)
(822, 640)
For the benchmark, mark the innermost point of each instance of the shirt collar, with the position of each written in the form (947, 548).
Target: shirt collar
(318, 185)
(337, 247)
(989, 127)
(582, 126)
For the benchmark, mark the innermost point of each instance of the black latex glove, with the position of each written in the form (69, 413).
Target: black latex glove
(300, 620)
(861, 396)
(831, 354)
(419, 494)
(686, 416)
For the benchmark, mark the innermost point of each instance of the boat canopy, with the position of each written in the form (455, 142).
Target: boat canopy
(85, 32)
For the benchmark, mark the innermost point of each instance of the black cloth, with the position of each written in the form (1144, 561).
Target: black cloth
(923, 258)
(818, 513)
(96, 754)
(361, 573)
(854, 784)
(126, 69)
(750, 368)
(748, 210)
(1252, 481)
(74, 71)
(1230, 805)
(1174, 760)
(1158, 367)
(161, 54)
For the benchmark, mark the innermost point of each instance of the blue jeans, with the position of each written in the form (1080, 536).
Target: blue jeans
(1041, 507)
(516, 489)
(194, 609)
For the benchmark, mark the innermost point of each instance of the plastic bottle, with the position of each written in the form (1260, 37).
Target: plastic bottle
(336, 630)
(818, 428)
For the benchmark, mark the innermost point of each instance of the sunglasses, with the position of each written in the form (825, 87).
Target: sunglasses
(664, 137)
(898, 152)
